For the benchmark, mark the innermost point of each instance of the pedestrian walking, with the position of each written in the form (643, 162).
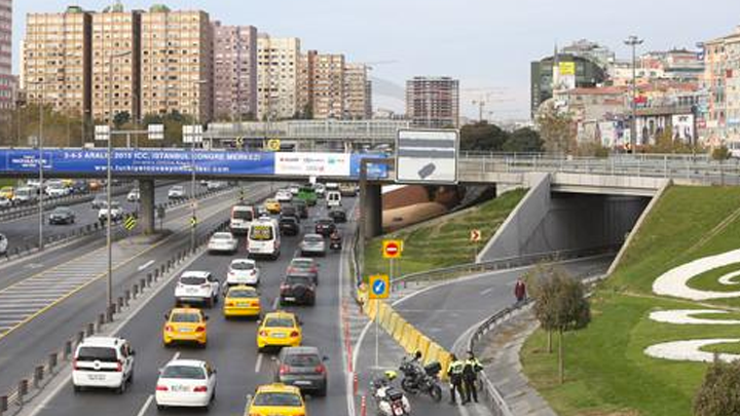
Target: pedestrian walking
(520, 291)
(455, 372)
(470, 376)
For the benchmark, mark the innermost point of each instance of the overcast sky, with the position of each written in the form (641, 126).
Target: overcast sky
(486, 44)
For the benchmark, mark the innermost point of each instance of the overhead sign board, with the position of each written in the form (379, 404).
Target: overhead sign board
(192, 134)
(156, 131)
(427, 156)
(102, 133)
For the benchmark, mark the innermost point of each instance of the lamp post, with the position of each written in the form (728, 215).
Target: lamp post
(109, 228)
(40, 144)
(633, 41)
(193, 202)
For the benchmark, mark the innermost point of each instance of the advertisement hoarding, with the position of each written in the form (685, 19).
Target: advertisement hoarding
(312, 164)
(682, 127)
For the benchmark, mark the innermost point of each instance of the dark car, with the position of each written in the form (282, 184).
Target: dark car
(289, 211)
(80, 187)
(289, 225)
(304, 265)
(302, 208)
(338, 215)
(302, 367)
(62, 215)
(325, 226)
(298, 289)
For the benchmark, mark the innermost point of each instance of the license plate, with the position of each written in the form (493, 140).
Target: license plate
(180, 388)
(290, 299)
(186, 330)
(191, 291)
(96, 377)
(243, 304)
(279, 335)
(303, 383)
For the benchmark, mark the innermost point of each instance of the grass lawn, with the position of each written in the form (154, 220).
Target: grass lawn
(442, 243)
(607, 371)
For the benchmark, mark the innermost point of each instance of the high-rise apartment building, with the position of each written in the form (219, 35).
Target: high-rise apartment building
(6, 55)
(328, 86)
(433, 102)
(234, 72)
(56, 60)
(277, 79)
(357, 92)
(176, 63)
(116, 54)
(722, 81)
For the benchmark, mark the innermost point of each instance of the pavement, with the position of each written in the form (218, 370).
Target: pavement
(231, 347)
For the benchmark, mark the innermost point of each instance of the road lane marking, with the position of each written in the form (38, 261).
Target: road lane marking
(275, 303)
(146, 405)
(146, 265)
(487, 291)
(258, 364)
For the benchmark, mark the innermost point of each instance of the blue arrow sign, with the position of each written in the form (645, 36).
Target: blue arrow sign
(379, 287)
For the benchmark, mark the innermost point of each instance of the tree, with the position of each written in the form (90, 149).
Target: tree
(719, 394)
(556, 128)
(721, 153)
(482, 136)
(523, 140)
(666, 143)
(560, 306)
(121, 118)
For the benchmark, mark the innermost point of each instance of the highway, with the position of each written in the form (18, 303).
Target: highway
(231, 346)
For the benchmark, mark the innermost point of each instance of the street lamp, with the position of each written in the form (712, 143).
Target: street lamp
(193, 207)
(633, 41)
(109, 230)
(41, 162)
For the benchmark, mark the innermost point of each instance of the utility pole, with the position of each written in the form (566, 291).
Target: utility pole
(633, 41)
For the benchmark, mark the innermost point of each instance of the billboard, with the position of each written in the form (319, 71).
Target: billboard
(567, 75)
(427, 156)
(682, 127)
(312, 164)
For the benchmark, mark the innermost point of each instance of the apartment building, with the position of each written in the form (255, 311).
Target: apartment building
(277, 77)
(7, 81)
(57, 60)
(722, 82)
(116, 54)
(328, 86)
(235, 72)
(176, 63)
(357, 92)
(433, 102)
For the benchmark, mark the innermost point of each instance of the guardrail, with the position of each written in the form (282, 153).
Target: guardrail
(24, 210)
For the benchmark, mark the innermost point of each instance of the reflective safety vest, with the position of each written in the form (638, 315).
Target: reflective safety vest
(456, 367)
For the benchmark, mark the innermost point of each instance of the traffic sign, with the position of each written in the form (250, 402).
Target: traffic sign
(475, 236)
(155, 131)
(102, 133)
(380, 287)
(130, 223)
(392, 249)
(193, 221)
(273, 145)
(239, 142)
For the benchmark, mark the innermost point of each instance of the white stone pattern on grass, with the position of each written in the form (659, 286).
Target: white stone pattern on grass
(687, 317)
(675, 281)
(691, 350)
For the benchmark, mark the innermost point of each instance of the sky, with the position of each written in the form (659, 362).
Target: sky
(486, 44)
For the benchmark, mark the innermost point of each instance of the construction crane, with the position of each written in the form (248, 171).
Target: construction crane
(487, 100)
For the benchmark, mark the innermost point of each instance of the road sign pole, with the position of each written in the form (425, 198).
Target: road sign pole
(377, 341)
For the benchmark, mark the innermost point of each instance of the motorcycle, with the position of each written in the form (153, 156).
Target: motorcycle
(335, 243)
(389, 400)
(418, 379)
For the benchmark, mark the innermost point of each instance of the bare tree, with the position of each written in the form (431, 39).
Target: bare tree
(556, 127)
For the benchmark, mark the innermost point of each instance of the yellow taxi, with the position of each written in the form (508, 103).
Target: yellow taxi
(272, 206)
(279, 329)
(185, 325)
(277, 399)
(242, 301)
(8, 192)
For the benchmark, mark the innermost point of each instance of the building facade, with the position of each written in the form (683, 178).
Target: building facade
(358, 92)
(57, 60)
(328, 86)
(277, 77)
(7, 81)
(433, 102)
(176, 63)
(234, 72)
(721, 111)
(562, 71)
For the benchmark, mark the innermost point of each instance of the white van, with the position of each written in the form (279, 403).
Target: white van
(333, 199)
(264, 239)
(25, 195)
(105, 362)
(241, 218)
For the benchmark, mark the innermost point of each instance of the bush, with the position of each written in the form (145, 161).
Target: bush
(719, 394)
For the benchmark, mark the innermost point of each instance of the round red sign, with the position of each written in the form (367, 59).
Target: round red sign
(391, 249)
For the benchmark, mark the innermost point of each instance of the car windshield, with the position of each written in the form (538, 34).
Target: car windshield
(302, 360)
(261, 233)
(242, 214)
(103, 354)
(326, 221)
(220, 236)
(279, 322)
(242, 265)
(288, 220)
(61, 211)
(184, 372)
(177, 188)
(297, 280)
(242, 293)
(302, 264)
(192, 280)
(313, 238)
(115, 204)
(278, 399)
(191, 318)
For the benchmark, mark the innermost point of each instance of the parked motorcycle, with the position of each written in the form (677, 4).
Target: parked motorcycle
(421, 379)
(389, 400)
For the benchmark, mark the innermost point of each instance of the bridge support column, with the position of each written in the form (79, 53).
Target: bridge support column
(371, 209)
(146, 206)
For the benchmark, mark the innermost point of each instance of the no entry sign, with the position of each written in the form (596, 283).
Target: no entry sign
(392, 249)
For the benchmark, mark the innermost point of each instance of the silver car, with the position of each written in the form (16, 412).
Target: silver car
(313, 245)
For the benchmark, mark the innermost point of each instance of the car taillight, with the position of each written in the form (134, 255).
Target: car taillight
(200, 389)
(284, 287)
(162, 388)
(263, 333)
(74, 365)
(200, 329)
(284, 369)
(320, 369)
(169, 328)
(119, 366)
(230, 304)
(294, 334)
(255, 303)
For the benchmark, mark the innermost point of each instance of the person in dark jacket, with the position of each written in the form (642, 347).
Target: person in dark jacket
(520, 291)
(470, 376)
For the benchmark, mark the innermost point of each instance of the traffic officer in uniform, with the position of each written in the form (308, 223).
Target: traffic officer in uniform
(470, 375)
(455, 373)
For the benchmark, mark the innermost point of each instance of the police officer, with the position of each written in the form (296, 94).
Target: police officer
(455, 372)
(470, 375)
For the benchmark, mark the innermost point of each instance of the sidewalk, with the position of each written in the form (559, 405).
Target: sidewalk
(504, 369)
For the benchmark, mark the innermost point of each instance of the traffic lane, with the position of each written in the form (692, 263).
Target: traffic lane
(231, 346)
(30, 344)
(445, 312)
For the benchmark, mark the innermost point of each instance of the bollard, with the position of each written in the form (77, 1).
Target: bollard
(142, 284)
(3, 404)
(22, 389)
(161, 271)
(80, 337)
(356, 384)
(120, 303)
(38, 376)
(101, 320)
(67, 350)
(156, 274)
(363, 406)
(149, 279)
(127, 295)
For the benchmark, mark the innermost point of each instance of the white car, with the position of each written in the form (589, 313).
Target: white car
(215, 185)
(320, 189)
(55, 190)
(294, 189)
(3, 244)
(185, 383)
(116, 212)
(283, 195)
(243, 272)
(5, 202)
(199, 287)
(223, 242)
(134, 195)
(103, 362)
(25, 195)
(331, 186)
(176, 192)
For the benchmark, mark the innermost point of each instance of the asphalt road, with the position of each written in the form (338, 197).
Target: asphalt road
(231, 346)
(25, 231)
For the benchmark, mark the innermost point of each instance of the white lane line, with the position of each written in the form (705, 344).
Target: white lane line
(487, 291)
(146, 265)
(275, 303)
(258, 365)
(146, 405)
